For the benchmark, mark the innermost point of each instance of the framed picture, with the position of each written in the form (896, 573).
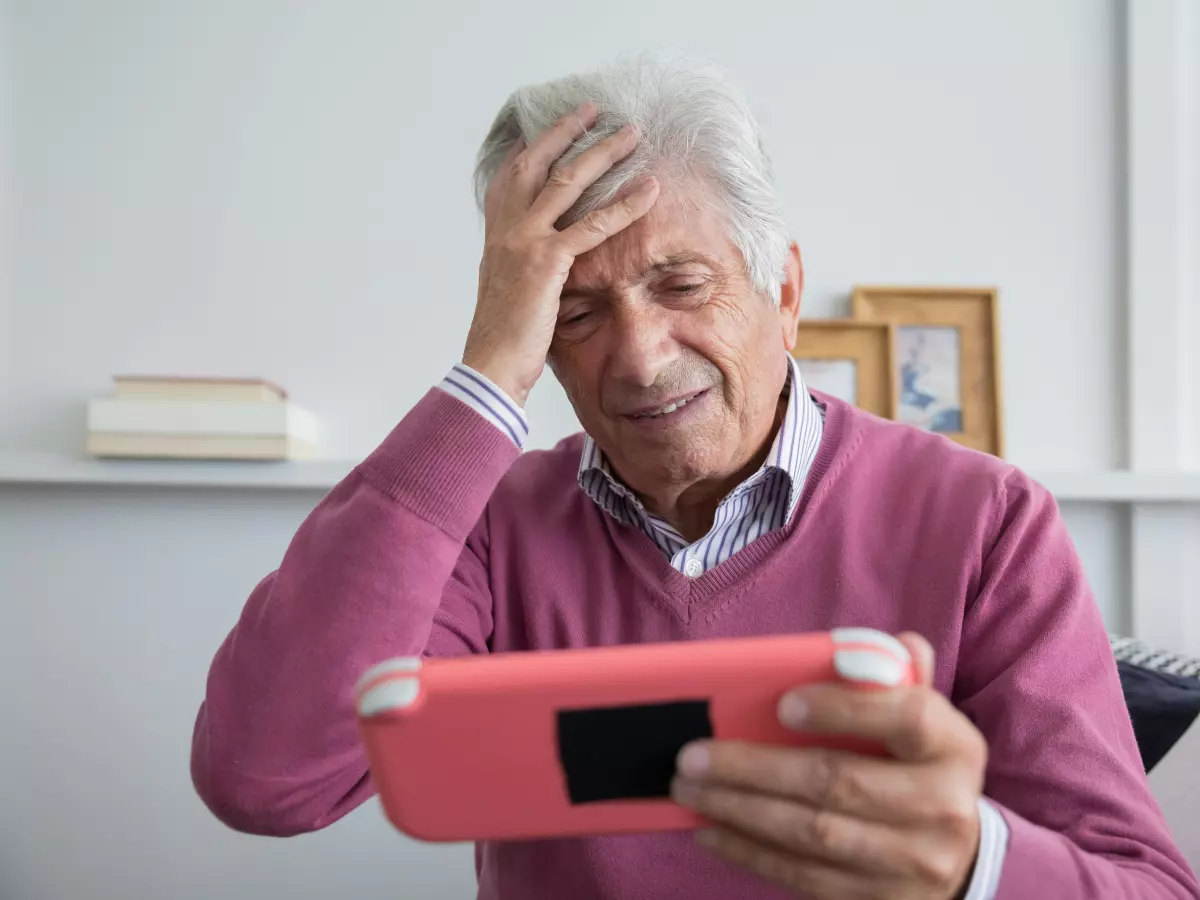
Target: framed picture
(849, 360)
(947, 359)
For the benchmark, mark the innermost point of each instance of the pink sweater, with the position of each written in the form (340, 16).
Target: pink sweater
(447, 541)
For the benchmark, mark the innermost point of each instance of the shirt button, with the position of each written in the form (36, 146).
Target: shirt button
(693, 568)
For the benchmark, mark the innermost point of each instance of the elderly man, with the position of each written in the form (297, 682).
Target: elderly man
(635, 243)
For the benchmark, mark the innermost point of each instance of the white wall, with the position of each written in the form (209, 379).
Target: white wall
(114, 603)
(6, 201)
(282, 188)
(1190, 40)
(1162, 81)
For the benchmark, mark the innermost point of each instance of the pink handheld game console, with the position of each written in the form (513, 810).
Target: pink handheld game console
(572, 742)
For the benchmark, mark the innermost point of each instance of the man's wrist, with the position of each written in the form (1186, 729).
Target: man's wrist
(498, 372)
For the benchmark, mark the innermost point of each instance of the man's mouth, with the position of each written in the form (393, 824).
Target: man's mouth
(669, 408)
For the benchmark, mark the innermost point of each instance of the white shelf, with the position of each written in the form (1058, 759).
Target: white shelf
(321, 475)
(62, 469)
(1123, 487)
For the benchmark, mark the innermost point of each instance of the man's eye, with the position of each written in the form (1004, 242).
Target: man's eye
(575, 319)
(685, 288)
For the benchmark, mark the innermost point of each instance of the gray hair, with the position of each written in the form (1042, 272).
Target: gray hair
(692, 122)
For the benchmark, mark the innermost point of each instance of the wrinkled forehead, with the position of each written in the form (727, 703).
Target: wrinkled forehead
(683, 224)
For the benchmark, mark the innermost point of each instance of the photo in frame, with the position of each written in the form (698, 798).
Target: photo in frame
(947, 359)
(852, 361)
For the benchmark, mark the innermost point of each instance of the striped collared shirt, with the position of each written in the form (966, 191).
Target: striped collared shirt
(759, 505)
(489, 400)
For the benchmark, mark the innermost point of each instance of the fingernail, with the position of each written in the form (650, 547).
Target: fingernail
(869, 667)
(793, 711)
(693, 761)
(685, 793)
(647, 183)
(586, 108)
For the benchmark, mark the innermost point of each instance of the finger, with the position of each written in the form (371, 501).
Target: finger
(878, 790)
(567, 183)
(810, 878)
(922, 656)
(912, 723)
(598, 226)
(529, 170)
(494, 199)
(813, 833)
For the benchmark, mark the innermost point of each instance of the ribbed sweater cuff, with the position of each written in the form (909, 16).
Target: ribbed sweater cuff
(442, 462)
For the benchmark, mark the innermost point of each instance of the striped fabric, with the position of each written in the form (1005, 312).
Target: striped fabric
(486, 398)
(759, 505)
(1142, 654)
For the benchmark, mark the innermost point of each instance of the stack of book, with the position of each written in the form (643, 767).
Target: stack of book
(172, 417)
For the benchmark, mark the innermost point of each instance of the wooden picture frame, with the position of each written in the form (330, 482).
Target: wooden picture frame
(853, 361)
(947, 357)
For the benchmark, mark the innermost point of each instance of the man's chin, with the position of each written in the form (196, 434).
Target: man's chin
(664, 457)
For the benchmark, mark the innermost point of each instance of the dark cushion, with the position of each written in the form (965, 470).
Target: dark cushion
(1162, 706)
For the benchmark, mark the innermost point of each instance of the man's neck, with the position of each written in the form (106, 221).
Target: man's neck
(692, 509)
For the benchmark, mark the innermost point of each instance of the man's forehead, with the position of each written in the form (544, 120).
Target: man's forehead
(672, 235)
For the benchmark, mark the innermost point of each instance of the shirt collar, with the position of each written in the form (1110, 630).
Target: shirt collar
(792, 453)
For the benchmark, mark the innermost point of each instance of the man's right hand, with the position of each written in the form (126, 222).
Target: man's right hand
(526, 259)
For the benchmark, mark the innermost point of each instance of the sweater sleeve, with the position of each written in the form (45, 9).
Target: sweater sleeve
(391, 563)
(1038, 678)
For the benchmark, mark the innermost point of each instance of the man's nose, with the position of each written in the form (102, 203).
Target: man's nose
(644, 347)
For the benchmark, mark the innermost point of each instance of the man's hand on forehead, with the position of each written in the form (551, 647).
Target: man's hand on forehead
(527, 259)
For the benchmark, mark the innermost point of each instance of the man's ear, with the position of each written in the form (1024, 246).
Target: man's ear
(789, 296)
